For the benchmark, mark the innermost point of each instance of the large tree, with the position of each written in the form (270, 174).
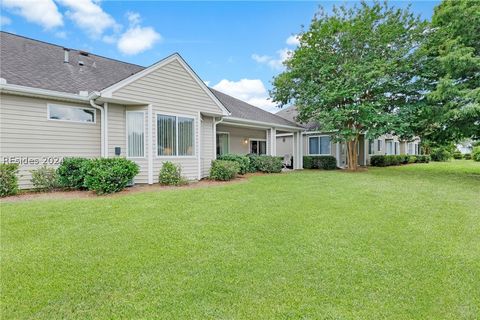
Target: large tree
(451, 74)
(354, 71)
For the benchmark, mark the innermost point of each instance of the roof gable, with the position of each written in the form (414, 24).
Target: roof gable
(179, 68)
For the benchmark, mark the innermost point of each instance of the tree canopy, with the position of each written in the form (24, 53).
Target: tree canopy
(354, 72)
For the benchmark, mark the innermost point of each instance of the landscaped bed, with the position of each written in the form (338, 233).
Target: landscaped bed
(398, 243)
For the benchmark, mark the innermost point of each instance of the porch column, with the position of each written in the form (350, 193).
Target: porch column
(273, 141)
(297, 154)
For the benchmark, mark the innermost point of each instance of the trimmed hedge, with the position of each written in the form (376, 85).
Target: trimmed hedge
(171, 174)
(264, 163)
(476, 154)
(440, 154)
(467, 156)
(44, 178)
(395, 160)
(71, 174)
(243, 161)
(108, 175)
(8, 179)
(224, 170)
(319, 162)
(457, 155)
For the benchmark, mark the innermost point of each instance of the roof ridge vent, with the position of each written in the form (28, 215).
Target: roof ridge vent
(81, 63)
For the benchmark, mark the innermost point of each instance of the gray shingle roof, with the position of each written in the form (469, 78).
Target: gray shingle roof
(290, 114)
(33, 63)
(37, 64)
(241, 109)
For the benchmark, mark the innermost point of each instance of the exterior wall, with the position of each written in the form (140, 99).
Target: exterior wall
(285, 145)
(238, 136)
(27, 135)
(171, 90)
(117, 136)
(208, 152)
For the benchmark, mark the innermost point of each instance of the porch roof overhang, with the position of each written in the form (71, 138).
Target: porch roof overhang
(259, 124)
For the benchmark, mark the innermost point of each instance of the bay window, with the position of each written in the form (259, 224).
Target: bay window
(175, 135)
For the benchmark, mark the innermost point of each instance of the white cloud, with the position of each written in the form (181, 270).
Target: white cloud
(133, 18)
(137, 39)
(41, 12)
(293, 40)
(61, 34)
(89, 16)
(207, 82)
(273, 62)
(252, 91)
(4, 21)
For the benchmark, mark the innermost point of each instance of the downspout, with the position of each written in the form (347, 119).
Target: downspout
(215, 136)
(92, 98)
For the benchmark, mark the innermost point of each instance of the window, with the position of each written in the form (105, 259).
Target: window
(410, 148)
(379, 145)
(223, 143)
(319, 145)
(389, 146)
(397, 147)
(175, 136)
(69, 113)
(135, 134)
(258, 147)
(371, 146)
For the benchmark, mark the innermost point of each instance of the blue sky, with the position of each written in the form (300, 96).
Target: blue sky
(237, 47)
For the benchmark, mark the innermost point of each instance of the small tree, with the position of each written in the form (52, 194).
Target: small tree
(353, 72)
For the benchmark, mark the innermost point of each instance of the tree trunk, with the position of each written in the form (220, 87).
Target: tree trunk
(352, 154)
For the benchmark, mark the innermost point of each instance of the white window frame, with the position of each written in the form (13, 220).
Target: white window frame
(70, 106)
(228, 138)
(257, 139)
(387, 141)
(372, 143)
(319, 154)
(144, 134)
(176, 115)
(379, 145)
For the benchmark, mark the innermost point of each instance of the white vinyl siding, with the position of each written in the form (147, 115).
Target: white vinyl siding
(136, 134)
(175, 135)
(58, 112)
(319, 145)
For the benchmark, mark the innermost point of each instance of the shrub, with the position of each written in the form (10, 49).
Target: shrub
(171, 174)
(224, 170)
(412, 159)
(457, 155)
(467, 156)
(269, 164)
(440, 154)
(423, 159)
(476, 153)
(8, 179)
(243, 161)
(404, 159)
(44, 178)
(320, 162)
(253, 166)
(108, 175)
(378, 161)
(71, 174)
(392, 160)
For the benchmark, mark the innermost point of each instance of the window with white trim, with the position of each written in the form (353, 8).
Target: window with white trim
(70, 113)
(175, 135)
(258, 146)
(371, 146)
(411, 148)
(223, 143)
(135, 134)
(319, 145)
(389, 146)
(379, 145)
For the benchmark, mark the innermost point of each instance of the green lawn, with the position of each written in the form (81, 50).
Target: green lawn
(389, 243)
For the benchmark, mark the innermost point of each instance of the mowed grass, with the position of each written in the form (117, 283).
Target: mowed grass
(388, 243)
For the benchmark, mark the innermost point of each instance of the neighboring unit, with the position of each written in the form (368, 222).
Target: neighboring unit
(319, 143)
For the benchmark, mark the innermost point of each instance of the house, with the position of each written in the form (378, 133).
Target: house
(58, 102)
(316, 142)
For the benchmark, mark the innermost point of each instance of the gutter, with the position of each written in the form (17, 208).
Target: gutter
(261, 123)
(44, 93)
(103, 129)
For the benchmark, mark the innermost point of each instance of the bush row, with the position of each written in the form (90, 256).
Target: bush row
(227, 166)
(476, 153)
(319, 162)
(395, 160)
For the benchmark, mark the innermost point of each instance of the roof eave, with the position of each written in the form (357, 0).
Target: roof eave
(261, 123)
